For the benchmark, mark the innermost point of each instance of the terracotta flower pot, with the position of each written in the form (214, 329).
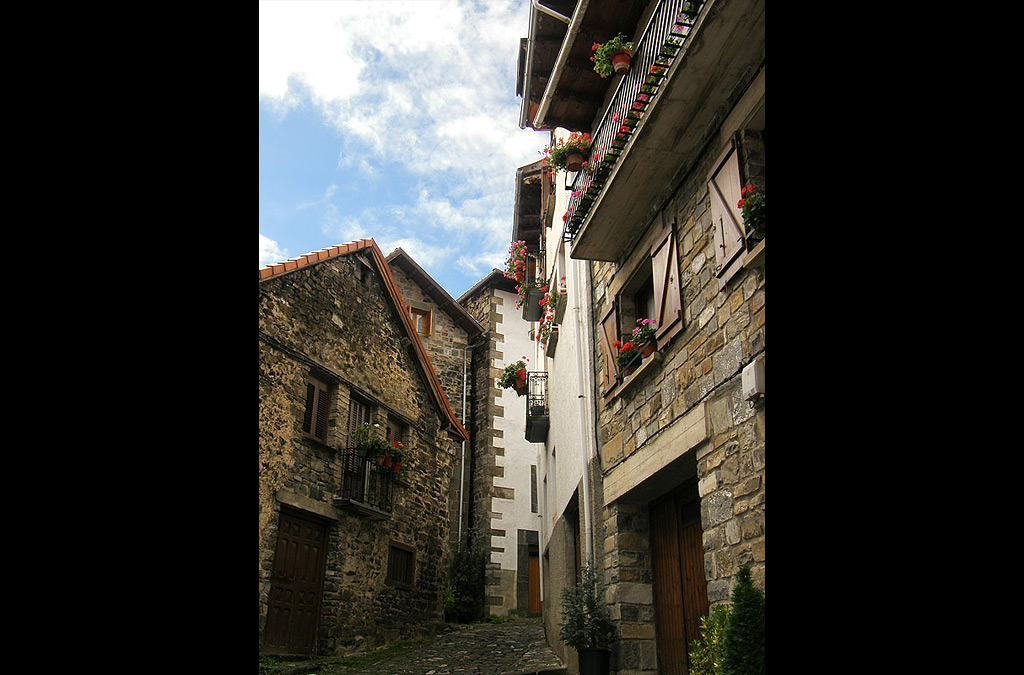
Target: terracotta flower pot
(521, 385)
(621, 60)
(574, 161)
(648, 349)
(396, 466)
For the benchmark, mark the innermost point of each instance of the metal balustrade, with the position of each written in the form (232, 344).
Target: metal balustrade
(366, 487)
(537, 410)
(664, 37)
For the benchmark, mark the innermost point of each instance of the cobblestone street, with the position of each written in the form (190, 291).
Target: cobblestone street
(515, 648)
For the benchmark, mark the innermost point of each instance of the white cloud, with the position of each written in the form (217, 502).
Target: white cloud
(270, 252)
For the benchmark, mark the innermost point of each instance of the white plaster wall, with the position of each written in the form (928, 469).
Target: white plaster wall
(572, 417)
(520, 455)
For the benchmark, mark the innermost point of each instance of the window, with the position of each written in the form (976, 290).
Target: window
(401, 565)
(420, 320)
(533, 488)
(314, 419)
(358, 415)
(396, 431)
(652, 292)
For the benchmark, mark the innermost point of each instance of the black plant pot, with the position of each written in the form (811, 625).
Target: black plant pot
(594, 661)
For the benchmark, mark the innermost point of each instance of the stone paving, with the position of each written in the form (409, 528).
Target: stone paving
(517, 648)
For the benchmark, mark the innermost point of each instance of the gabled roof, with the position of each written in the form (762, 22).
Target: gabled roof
(496, 278)
(444, 301)
(369, 245)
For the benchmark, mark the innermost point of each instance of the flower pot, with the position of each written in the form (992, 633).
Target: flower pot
(574, 161)
(594, 661)
(620, 61)
(521, 384)
(396, 466)
(384, 461)
(648, 349)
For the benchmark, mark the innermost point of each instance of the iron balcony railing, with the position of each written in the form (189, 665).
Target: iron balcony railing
(365, 483)
(537, 411)
(664, 37)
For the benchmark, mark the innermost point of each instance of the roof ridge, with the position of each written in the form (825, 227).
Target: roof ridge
(292, 264)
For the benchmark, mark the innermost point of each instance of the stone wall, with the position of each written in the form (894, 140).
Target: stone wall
(697, 377)
(334, 318)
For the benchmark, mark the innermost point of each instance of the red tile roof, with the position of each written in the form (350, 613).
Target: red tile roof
(434, 384)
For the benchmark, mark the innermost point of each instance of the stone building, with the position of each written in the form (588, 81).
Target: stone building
(504, 476)
(449, 334)
(351, 554)
(676, 484)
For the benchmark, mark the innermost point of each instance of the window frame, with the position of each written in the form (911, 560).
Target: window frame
(656, 264)
(317, 408)
(428, 317)
(408, 579)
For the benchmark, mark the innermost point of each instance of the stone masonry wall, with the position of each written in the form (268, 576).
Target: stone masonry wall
(334, 318)
(723, 332)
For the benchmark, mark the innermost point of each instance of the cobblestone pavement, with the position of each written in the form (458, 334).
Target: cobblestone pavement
(518, 647)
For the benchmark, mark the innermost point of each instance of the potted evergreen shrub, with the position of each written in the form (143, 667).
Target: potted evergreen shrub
(587, 625)
(742, 643)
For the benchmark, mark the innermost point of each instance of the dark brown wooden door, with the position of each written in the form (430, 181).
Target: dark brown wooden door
(296, 585)
(680, 589)
(534, 573)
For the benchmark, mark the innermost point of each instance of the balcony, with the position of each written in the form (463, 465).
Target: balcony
(367, 489)
(537, 412)
(686, 72)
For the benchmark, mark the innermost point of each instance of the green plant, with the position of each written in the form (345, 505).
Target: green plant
(644, 331)
(627, 352)
(602, 57)
(743, 640)
(705, 651)
(557, 153)
(586, 622)
(752, 203)
(368, 441)
(464, 596)
(511, 373)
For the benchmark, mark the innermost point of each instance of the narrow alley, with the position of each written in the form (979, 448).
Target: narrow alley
(514, 648)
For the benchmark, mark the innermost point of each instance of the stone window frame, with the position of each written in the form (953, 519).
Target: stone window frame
(401, 565)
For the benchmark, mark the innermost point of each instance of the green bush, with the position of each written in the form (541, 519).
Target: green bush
(706, 651)
(743, 640)
(464, 597)
(586, 622)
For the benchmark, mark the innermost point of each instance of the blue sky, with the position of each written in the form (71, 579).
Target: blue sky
(396, 120)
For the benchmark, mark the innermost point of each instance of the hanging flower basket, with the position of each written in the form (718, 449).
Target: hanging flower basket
(621, 60)
(605, 54)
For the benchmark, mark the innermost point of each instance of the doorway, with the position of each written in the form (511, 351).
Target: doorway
(296, 585)
(680, 587)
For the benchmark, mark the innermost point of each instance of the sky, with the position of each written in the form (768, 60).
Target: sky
(396, 120)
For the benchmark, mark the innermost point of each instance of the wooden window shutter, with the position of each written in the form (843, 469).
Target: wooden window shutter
(724, 186)
(314, 420)
(610, 335)
(668, 300)
(358, 415)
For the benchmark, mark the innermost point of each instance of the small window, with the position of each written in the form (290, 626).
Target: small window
(318, 398)
(420, 320)
(401, 565)
(358, 415)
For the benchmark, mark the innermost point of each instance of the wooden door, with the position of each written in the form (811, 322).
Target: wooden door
(534, 574)
(680, 589)
(296, 585)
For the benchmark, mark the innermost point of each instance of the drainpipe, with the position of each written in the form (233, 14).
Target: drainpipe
(585, 439)
(462, 480)
(550, 12)
(563, 56)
